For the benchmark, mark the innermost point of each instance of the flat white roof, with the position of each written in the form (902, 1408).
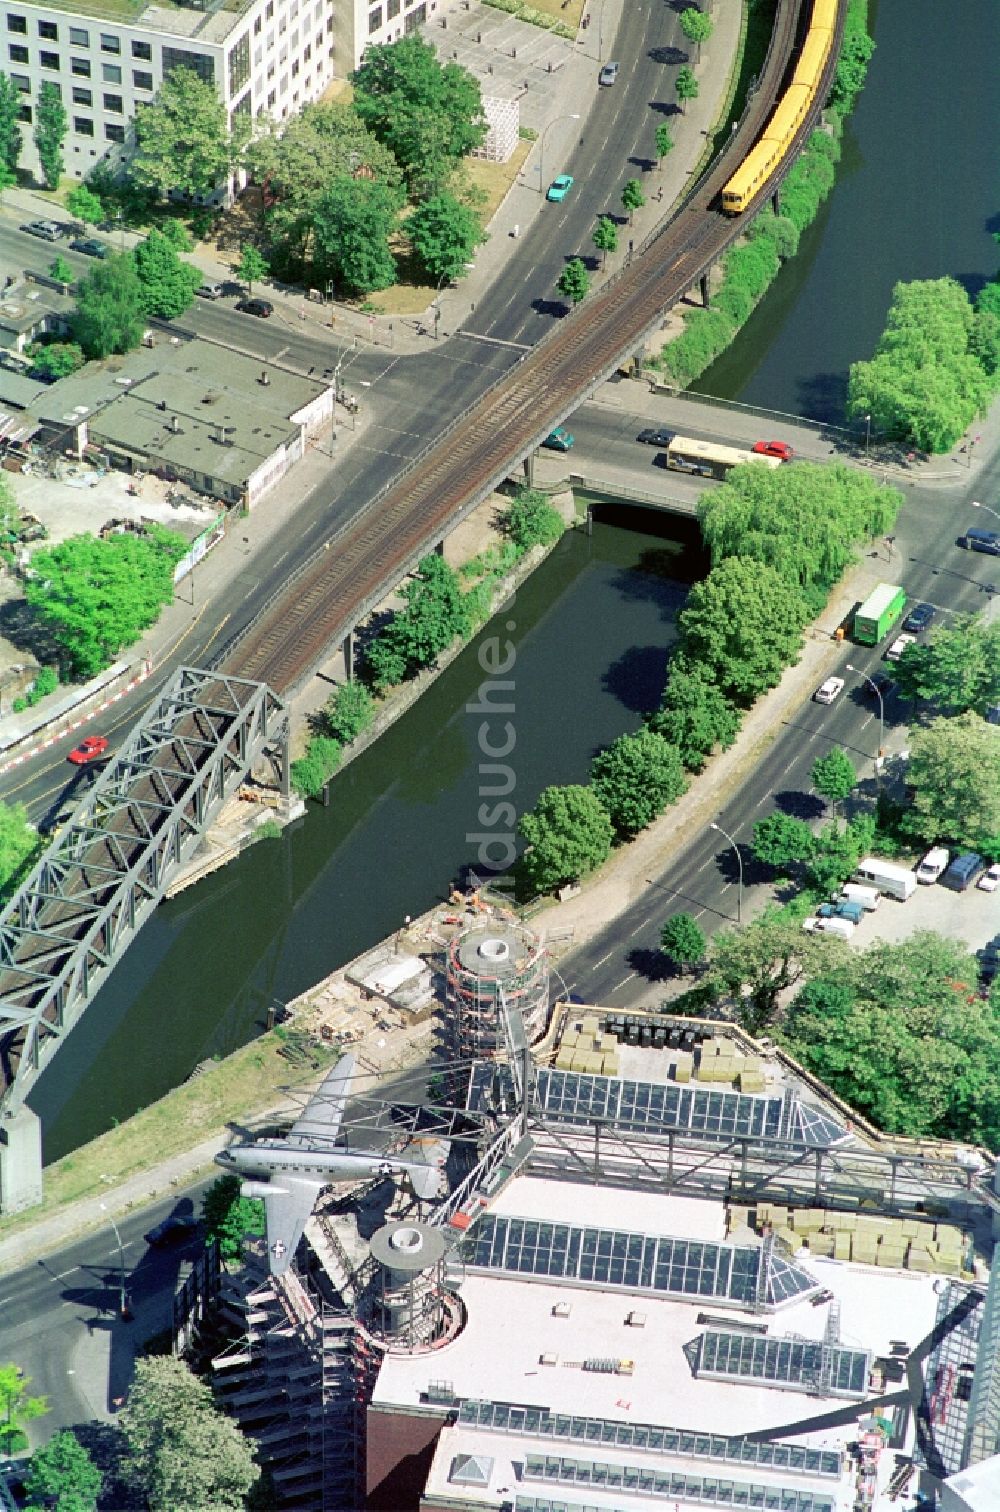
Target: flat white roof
(610, 1207)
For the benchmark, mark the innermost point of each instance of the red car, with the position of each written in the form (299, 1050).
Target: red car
(780, 449)
(88, 750)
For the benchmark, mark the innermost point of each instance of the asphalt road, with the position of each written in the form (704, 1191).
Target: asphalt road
(622, 964)
(59, 1317)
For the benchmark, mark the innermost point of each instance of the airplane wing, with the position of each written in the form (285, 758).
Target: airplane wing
(321, 1118)
(425, 1161)
(286, 1211)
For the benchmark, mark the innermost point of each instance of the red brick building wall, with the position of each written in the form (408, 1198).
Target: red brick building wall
(399, 1453)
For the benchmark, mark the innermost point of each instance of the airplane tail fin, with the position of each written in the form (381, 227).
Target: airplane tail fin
(426, 1160)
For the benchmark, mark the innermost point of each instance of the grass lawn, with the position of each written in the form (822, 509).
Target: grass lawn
(245, 1081)
(569, 14)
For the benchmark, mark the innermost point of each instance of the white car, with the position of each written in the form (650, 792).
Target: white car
(990, 880)
(898, 646)
(829, 690)
(933, 864)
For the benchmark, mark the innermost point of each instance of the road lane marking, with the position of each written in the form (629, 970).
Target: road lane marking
(623, 981)
(602, 960)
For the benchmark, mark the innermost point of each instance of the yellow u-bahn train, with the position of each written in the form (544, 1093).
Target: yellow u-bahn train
(771, 147)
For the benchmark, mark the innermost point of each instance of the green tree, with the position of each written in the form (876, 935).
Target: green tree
(531, 520)
(686, 86)
(230, 1217)
(61, 270)
(55, 360)
(50, 133)
(109, 315)
(181, 1450)
(183, 144)
(633, 198)
(743, 622)
(10, 131)
(780, 841)
(852, 65)
(19, 845)
(682, 941)
(899, 1031)
(435, 612)
(444, 235)
(352, 225)
(957, 667)
(757, 964)
(429, 114)
(695, 716)
(837, 849)
(168, 284)
(8, 178)
(954, 770)
(177, 234)
(96, 597)
(17, 1408)
(697, 27)
(252, 267)
(349, 712)
(574, 281)
(87, 206)
(664, 143)
(636, 778)
(63, 1475)
(833, 776)
(568, 833)
(605, 237)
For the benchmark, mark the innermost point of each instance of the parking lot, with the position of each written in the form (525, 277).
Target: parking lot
(972, 916)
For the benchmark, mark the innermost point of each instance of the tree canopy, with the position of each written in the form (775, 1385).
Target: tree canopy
(605, 237)
(168, 284)
(899, 1030)
(63, 1475)
(531, 520)
(110, 314)
(19, 844)
(757, 964)
(780, 840)
(96, 597)
(17, 1408)
(636, 778)
(574, 281)
(183, 143)
(686, 86)
(87, 206)
(695, 715)
(352, 224)
(682, 940)
(954, 771)
(429, 114)
(696, 26)
(182, 1451)
(834, 776)
(434, 614)
(855, 54)
(444, 235)
(51, 121)
(633, 198)
(10, 114)
(230, 1217)
(568, 833)
(957, 667)
(743, 624)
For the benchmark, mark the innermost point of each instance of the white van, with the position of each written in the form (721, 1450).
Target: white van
(868, 897)
(842, 927)
(897, 881)
(933, 864)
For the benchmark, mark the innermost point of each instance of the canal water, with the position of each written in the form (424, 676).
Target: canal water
(589, 630)
(915, 197)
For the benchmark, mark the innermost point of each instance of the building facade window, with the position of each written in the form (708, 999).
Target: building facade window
(141, 80)
(18, 25)
(17, 53)
(24, 113)
(182, 57)
(143, 51)
(239, 65)
(82, 126)
(416, 18)
(110, 43)
(21, 82)
(111, 73)
(113, 103)
(80, 67)
(49, 60)
(114, 133)
(48, 31)
(391, 9)
(78, 37)
(374, 20)
(82, 97)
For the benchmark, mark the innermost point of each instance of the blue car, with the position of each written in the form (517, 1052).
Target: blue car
(560, 187)
(844, 908)
(559, 440)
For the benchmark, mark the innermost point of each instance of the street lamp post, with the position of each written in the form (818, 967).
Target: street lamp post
(739, 862)
(541, 147)
(868, 434)
(881, 716)
(122, 1303)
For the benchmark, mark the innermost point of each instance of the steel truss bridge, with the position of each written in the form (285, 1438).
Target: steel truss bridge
(78, 911)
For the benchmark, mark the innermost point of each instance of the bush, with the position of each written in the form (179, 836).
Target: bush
(55, 360)
(313, 770)
(531, 520)
(349, 711)
(706, 333)
(779, 230)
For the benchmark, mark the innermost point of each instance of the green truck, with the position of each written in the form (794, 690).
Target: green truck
(880, 611)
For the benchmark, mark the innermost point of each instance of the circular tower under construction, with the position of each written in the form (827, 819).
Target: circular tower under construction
(410, 1306)
(494, 959)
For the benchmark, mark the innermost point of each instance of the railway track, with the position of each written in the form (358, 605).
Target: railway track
(345, 578)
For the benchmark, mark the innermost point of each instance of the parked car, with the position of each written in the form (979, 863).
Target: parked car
(989, 959)
(608, 74)
(559, 440)
(933, 864)
(261, 307)
(919, 618)
(843, 908)
(898, 646)
(835, 926)
(89, 749)
(560, 187)
(990, 880)
(963, 871)
(656, 436)
(46, 229)
(89, 246)
(173, 1230)
(973, 539)
(828, 691)
(210, 290)
(780, 449)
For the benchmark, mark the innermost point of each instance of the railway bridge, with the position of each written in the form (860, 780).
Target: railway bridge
(338, 587)
(95, 886)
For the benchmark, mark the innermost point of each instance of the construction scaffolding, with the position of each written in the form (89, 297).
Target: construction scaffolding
(491, 961)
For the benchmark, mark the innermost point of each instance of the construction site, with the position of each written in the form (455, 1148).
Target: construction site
(661, 1264)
